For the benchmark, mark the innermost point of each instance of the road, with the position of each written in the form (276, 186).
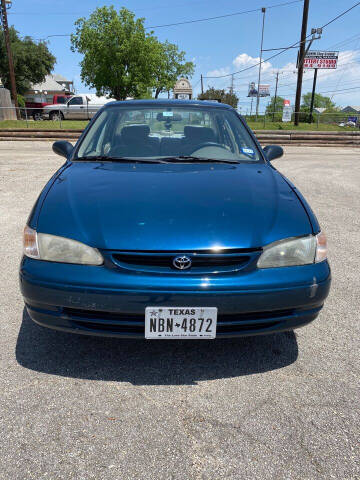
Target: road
(278, 407)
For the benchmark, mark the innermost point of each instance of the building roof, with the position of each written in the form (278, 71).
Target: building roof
(353, 107)
(319, 109)
(51, 83)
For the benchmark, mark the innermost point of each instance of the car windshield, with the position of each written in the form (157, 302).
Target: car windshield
(169, 132)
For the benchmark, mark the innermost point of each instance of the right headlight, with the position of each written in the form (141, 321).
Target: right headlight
(43, 246)
(294, 251)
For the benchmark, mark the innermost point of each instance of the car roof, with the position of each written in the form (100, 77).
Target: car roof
(169, 103)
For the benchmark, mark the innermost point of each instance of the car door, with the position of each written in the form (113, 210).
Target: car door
(76, 109)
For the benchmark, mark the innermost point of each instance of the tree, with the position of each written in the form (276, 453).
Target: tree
(121, 60)
(275, 106)
(217, 94)
(32, 61)
(172, 65)
(119, 56)
(319, 102)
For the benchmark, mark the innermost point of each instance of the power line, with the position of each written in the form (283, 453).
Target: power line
(283, 51)
(343, 66)
(240, 88)
(244, 12)
(340, 15)
(342, 73)
(268, 75)
(351, 39)
(329, 91)
(136, 10)
(223, 16)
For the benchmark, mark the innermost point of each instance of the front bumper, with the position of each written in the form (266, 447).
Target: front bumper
(102, 301)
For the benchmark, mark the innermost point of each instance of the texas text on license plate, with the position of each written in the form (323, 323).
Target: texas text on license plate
(180, 322)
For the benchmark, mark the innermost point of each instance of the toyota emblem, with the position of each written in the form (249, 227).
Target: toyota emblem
(182, 262)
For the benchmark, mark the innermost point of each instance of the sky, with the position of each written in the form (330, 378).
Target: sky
(221, 46)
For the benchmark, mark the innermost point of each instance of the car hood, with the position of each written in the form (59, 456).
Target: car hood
(172, 206)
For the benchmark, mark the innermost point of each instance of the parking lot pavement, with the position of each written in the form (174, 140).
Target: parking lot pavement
(278, 407)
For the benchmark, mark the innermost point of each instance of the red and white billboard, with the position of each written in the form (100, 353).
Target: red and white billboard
(321, 59)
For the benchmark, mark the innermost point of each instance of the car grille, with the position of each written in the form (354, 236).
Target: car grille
(201, 261)
(135, 323)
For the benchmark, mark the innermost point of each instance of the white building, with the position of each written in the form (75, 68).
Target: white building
(52, 85)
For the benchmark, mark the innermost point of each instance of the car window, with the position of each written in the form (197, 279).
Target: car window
(164, 131)
(76, 101)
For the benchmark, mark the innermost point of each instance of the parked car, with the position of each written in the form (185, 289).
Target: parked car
(168, 220)
(79, 107)
(35, 109)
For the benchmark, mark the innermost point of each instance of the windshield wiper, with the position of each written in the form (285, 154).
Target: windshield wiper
(104, 158)
(199, 159)
(178, 158)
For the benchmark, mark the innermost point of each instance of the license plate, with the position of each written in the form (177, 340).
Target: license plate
(180, 322)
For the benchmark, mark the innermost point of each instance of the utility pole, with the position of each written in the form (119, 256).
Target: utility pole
(202, 84)
(313, 95)
(263, 10)
(301, 60)
(9, 54)
(275, 97)
(232, 84)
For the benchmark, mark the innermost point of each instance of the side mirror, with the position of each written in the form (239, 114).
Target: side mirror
(62, 148)
(273, 151)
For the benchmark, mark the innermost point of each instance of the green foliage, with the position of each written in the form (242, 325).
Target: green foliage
(320, 101)
(21, 101)
(117, 52)
(171, 65)
(217, 94)
(275, 106)
(32, 61)
(145, 93)
(121, 60)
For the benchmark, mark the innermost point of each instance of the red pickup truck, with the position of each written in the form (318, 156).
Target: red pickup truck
(34, 109)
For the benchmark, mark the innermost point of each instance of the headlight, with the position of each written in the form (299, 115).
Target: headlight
(52, 248)
(294, 251)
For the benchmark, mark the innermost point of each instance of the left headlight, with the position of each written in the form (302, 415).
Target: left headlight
(294, 251)
(52, 248)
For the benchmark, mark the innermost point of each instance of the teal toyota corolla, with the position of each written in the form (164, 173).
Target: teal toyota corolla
(168, 221)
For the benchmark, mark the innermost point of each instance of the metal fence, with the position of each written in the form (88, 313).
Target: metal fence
(319, 119)
(34, 115)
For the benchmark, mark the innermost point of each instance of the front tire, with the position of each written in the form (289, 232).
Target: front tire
(56, 116)
(37, 116)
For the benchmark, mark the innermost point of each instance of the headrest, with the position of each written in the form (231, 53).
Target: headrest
(199, 134)
(135, 132)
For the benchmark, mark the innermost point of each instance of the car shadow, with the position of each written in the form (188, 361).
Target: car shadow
(156, 362)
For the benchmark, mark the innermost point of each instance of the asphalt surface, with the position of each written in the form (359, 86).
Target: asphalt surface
(279, 407)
